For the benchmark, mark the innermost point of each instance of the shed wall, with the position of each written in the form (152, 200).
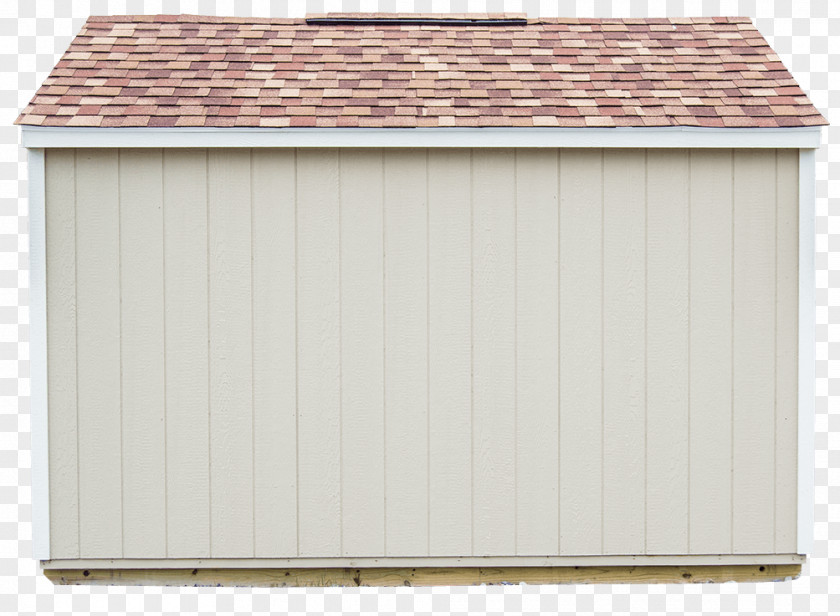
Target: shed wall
(338, 353)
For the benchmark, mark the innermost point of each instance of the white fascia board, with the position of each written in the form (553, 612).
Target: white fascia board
(807, 352)
(38, 357)
(527, 137)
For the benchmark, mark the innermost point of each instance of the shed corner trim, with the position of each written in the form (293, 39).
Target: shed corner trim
(807, 351)
(537, 137)
(39, 421)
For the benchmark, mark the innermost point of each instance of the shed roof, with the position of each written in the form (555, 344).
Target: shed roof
(482, 71)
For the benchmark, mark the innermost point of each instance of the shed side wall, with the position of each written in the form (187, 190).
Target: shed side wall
(331, 353)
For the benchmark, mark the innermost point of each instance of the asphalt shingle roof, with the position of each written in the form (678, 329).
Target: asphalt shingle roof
(184, 70)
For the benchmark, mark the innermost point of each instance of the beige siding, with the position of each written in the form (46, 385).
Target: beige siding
(143, 364)
(61, 369)
(623, 353)
(581, 351)
(98, 354)
(368, 353)
(787, 346)
(494, 345)
(362, 359)
(754, 350)
(275, 451)
(450, 352)
(318, 354)
(405, 255)
(667, 357)
(230, 316)
(537, 349)
(187, 354)
(710, 352)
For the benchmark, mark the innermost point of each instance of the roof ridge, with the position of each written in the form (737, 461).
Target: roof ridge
(194, 18)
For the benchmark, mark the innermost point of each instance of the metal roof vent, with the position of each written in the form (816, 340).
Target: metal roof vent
(384, 19)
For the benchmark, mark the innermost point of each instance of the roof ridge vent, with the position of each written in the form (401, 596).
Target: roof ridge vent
(394, 19)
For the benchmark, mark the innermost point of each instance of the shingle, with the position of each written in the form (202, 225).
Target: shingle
(187, 70)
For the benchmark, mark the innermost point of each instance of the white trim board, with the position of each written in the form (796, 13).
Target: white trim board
(611, 560)
(194, 137)
(39, 422)
(807, 352)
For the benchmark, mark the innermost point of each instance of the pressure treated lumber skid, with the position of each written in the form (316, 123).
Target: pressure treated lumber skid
(425, 576)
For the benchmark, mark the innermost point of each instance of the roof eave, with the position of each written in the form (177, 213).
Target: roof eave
(537, 137)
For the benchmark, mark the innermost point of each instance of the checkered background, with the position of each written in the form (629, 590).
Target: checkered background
(34, 33)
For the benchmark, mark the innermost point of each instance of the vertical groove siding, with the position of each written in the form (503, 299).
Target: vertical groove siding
(273, 237)
(142, 355)
(787, 345)
(362, 358)
(710, 351)
(99, 372)
(318, 354)
(623, 353)
(494, 343)
(754, 350)
(186, 287)
(63, 418)
(668, 360)
(405, 256)
(339, 353)
(537, 349)
(450, 353)
(230, 318)
(581, 351)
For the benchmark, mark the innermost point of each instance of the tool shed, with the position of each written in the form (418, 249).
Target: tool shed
(374, 299)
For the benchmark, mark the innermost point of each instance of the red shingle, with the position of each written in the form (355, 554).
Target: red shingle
(189, 70)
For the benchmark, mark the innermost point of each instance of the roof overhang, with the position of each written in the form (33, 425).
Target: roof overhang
(526, 137)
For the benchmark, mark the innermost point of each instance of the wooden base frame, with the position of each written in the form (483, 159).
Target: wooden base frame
(426, 576)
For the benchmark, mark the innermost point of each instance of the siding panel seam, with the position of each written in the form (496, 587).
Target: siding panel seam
(253, 371)
(732, 363)
(163, 353)
(559, 153)
(688, 353)
(76, 317)
(472, 353)
(603, 281)
(120, 279)
(647, 316)
(515, 352)
(428, 377)
(775, 339)
(384, 369)
(339, 156)
(297, 369)
(209, 360)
